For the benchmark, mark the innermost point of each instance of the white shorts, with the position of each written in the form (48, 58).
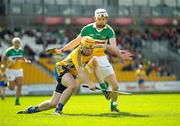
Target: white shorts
(105, 67)
(13, 74)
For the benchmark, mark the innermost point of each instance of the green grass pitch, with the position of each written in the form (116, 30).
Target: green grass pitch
(93, 110)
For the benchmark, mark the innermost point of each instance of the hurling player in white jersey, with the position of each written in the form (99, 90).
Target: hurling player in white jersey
(13, 60)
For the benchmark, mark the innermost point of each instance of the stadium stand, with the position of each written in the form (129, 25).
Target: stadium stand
(34, 75)
(47, 62)
(122, 76)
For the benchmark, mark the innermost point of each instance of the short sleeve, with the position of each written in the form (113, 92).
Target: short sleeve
(111, 33)
(84, 31)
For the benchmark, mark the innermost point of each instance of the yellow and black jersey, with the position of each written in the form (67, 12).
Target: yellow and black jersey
(72, 62)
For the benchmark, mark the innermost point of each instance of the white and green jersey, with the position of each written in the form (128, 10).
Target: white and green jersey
(101, 36)
(14, 55)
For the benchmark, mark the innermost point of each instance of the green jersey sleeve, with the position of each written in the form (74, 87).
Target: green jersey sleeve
(7, 53)
(84, 31)
(111, 32)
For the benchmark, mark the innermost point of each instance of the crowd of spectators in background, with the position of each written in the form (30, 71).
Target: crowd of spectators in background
(133, 38)
(127, 38)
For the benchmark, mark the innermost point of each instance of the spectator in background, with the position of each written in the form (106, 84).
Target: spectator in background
(164, 71)
(29, 52)
(150, 68)
(137, 40)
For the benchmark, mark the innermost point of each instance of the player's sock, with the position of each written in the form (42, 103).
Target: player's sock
(36, 108)
(103, 86)
(17, 101)
(32, 109)
(59, 108)
(114, 106)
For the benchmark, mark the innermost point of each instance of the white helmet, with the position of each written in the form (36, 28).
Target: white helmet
(16, 39)
(100, 13)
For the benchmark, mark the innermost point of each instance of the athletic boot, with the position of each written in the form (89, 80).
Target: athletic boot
(29, 110)
(58, 110)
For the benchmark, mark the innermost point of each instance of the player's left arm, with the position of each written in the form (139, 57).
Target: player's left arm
(26, 60)
(113, 48)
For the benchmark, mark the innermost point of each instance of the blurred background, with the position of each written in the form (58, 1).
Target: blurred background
(150, 29)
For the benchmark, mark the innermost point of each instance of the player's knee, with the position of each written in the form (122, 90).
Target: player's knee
(95, 62)
(53, 104)
(74, 87)
(11, 85)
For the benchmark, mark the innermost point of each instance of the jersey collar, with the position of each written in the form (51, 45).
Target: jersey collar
(94, 26)
(16, 49)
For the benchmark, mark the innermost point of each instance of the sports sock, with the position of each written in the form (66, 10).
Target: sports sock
(17, 101)
(60, 107)
(103, 86)
(36, 108)
(113, 104)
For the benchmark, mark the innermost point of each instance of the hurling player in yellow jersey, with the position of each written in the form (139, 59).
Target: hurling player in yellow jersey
(66, 72)
(13, 60)
(103, 35)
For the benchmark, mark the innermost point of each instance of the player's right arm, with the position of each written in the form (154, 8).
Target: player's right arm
(4, 60)
(75, 42)
(72, 44)
(84, 77)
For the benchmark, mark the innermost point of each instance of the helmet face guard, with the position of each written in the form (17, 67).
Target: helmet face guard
(100, 13)
(88, 42)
